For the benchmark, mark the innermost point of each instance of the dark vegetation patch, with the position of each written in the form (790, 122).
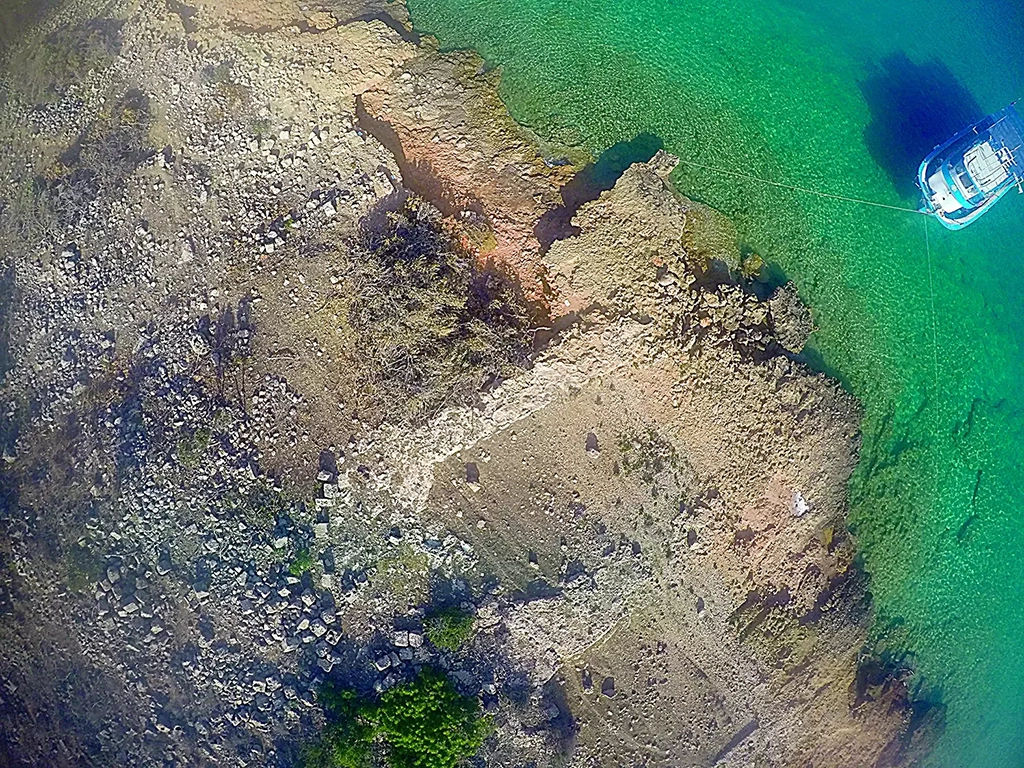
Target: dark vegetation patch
(228, 336)
(647, 455)
(231, 99)
(101, 160)
(83, 568)
(67, 55)
(431, 328)
(6, 313)
(16, 16)
(192, 446)
(53, 685)
(422, 723)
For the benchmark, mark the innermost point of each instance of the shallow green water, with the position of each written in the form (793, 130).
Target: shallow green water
(844, 99)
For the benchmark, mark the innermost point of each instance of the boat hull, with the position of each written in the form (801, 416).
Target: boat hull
(958, 205)
(925, 172)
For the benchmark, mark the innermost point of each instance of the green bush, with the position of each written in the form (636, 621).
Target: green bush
(430, 328)
(301, 563)
(84, 568)
(449, 628)
(424, 723)
(427, 724)
(192, 446)
(348, 736)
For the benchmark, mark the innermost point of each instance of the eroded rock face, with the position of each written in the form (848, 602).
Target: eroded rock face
(458, 147)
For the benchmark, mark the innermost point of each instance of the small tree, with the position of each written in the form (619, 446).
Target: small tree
(424, 723)
(427, 724)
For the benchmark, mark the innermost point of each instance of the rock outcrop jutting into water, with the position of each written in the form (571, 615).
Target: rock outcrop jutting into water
(224, 489)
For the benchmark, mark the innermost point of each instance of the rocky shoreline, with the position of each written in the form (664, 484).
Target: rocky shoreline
(208, 512)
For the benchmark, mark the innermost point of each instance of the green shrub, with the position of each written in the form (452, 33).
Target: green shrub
(427, 724)
(430, 328)
(347, 738)
(449, 628)
(424, 723)
(84, 568)
(301, 563)
(191, 447)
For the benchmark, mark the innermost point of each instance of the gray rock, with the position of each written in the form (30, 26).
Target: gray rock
(164, 563)
(608, 687)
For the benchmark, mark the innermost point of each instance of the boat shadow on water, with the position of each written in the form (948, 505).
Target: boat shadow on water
(914, 108)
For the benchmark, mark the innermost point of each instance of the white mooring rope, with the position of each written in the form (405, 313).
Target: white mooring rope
(806, 190)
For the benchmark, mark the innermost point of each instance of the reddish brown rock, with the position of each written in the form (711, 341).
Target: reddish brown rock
(458, 147)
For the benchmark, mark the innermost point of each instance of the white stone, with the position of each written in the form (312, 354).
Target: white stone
(799, 505)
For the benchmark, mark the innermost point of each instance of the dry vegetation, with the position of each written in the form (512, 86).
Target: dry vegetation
(431, 328)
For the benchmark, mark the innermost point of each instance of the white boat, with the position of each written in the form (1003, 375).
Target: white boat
(963, 178)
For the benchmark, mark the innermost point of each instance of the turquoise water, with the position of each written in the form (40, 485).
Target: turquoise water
(844, 98)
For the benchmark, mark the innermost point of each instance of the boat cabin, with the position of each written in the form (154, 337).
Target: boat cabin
(963, 178)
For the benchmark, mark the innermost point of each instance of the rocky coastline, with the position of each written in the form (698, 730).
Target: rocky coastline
(210, 509)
